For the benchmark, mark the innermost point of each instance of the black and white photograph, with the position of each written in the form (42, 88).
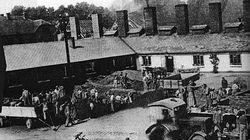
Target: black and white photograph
(124, 69)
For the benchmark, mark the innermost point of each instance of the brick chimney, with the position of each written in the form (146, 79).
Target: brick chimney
(150, 20)
(74, 27)
(122, 22)
(215, 17)
(246, 15)
(8, 16)
(181, 12)
(97, 25)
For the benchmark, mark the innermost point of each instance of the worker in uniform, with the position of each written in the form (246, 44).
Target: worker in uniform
(25, 98)
(67, 114)
(224, 83)
(112, 102)
(116, 81)
(243, 127)
(191, 97)
(91, 105)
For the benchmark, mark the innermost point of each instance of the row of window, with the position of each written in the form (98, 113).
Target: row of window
(235, 59)
(198, 60)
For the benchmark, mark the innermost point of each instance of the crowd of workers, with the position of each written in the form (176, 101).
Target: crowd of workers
(56, 106)
(121, 80)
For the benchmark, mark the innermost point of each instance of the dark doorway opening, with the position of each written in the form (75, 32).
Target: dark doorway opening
(170, 63)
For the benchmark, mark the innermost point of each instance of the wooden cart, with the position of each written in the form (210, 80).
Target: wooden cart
(26, 113)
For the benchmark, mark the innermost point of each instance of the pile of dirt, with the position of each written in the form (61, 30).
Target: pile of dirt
(134, 82)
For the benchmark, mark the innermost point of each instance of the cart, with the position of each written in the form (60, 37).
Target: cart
(26, 113)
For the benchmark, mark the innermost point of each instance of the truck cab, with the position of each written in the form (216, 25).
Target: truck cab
(174, 122)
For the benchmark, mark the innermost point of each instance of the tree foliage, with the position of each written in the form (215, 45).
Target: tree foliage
(81, 10)
(18, 10)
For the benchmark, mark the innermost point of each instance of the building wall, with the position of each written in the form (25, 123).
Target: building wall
(185, 61)
(42, 78)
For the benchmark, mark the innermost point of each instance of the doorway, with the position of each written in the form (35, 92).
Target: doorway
(170, 63)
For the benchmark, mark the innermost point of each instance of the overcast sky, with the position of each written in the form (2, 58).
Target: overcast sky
(7, 5)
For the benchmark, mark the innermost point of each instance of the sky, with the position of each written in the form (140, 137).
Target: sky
(7, 5)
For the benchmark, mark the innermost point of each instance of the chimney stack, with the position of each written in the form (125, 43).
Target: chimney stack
(97, 25)
(246, 15)
(122, 22)
(215, 17)
(181, 12)
(8, 16)
(150, 20)
(74, 27)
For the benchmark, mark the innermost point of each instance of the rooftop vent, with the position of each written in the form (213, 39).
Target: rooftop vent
(166, 30)
(199, 29)
(135, 32)
(233, 27)
(111, 33)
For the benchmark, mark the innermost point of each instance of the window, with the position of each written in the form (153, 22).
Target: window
(198, 60)
(146, 60)
(14, 79)
(90, 66)
(235, 59)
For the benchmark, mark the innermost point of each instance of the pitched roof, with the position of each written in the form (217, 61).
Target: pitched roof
(12, 27)
(165, 28)
(190, 43)
(199, 27)
(23, 56)
(233, 25)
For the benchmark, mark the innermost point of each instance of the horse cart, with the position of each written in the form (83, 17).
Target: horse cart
(23, 113)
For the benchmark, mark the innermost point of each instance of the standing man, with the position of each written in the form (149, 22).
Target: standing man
(243, 126)
(191, 97)
(112, 102)
(2, 72)
(224, 83)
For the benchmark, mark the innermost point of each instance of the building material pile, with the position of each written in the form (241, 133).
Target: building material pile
(135, 79)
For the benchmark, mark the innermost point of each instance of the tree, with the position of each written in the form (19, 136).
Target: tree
(215, 62)
(31, 13)
(18, 10)
(81, 10)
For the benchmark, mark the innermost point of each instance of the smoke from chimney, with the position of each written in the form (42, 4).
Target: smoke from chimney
(184, 1)
(129, 5)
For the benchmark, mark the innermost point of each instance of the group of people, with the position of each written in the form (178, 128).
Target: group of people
(212, 96)
(51, 105)
(108, 99)
(121, 80)
(151, 80)
(56, 107)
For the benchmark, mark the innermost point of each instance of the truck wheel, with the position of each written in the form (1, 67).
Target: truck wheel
(1, 122)
(29, 124)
